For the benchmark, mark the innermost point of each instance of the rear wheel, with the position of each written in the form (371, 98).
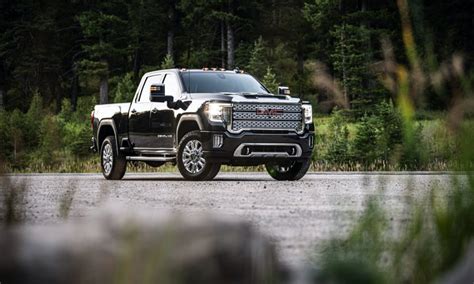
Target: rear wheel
(288, 171)
(112, 162)
(191, 162)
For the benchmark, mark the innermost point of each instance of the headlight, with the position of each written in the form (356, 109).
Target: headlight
(308, 113)
(218, 112)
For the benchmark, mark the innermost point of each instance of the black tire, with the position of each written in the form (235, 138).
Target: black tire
(290, 171)
(155, 164)
(116, 165)
(189, 166)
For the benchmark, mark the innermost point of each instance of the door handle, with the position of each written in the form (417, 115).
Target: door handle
(155, 110)
(133, 111)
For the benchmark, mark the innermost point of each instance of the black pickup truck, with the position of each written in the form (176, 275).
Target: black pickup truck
(202, 119)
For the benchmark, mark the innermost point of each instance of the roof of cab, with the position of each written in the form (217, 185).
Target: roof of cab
(176, 70)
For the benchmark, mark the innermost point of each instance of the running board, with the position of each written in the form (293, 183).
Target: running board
(150, 159)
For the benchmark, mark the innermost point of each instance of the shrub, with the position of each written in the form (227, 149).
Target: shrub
(413, 154)
(50, 139)
(338, 149)
(5, 136)
(379, 136)
(269, 80)
(17, 130)
(77, 138)
(32, 122)
(66, 113)
(125, 89)
(83, 109)
(167, 63)
(366, 145)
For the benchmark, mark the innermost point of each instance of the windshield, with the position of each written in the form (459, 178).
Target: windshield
(220, 82)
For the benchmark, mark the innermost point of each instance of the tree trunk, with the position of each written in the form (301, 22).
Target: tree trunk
(365, 23)
(367, 82)
(230, 46)
(169, 49)
(136, 62)
(343, 55)
(59, 98)
(172, 21)
(344, 73)
(74, 90)
(274, 15)
(222, 44)
(104, 90)
(1, 100)
(300, 69)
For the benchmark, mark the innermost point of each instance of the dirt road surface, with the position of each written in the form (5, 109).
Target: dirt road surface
(299, 216)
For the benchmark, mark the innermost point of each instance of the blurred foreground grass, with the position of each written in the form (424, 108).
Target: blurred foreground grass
(440, 229)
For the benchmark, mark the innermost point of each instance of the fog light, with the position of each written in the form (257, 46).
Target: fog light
(217, 141)
(311, 141)
(246, 151)
(293, 151)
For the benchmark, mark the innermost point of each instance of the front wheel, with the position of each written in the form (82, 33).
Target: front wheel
(112, 162)
(191, 161)
(288, 170)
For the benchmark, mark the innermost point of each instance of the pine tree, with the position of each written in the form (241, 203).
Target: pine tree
(125, 89)
(103, 33)
(258, 59)
(269, 80)
(168, 62)
(351, 60)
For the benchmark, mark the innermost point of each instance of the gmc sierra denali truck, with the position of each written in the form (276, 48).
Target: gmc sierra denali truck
(202, 119)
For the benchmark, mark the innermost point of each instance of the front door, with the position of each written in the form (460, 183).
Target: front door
(163, 119)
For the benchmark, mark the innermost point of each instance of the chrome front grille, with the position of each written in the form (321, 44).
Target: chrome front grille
(250, 116)
(253, 107)
(287, 116)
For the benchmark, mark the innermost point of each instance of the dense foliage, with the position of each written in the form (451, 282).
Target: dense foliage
(59, 57)
(71, 49)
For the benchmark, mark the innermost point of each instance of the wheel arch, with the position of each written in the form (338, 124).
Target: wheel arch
(186, 124)
(107, 128)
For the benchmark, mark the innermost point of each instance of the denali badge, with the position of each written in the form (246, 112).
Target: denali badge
(269, 111)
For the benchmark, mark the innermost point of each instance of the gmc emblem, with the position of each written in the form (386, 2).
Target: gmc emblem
(269, 111)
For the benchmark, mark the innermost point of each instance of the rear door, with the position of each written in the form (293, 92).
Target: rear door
(163, 119)
(139, 116)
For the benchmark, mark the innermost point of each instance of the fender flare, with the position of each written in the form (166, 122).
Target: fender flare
(108, 122)
(188, 117)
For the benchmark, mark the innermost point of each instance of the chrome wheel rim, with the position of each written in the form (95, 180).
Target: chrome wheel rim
(107, 159)
(192, 157)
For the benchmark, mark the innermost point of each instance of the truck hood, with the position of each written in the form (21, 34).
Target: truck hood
(244, 97)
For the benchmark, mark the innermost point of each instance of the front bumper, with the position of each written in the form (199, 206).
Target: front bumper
(232, 144)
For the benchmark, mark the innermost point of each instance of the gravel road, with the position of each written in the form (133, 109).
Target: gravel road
(297, 215)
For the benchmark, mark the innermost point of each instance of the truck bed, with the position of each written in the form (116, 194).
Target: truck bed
(110, 110)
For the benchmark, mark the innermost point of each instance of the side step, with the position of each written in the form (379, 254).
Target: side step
(150, 159)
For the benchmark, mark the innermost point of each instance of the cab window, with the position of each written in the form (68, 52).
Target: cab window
(172, 87)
